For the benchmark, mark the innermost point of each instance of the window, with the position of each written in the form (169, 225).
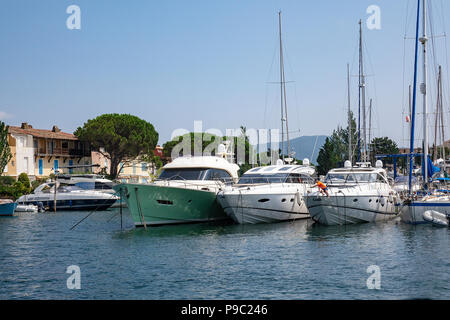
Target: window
(299, 178)
(263, 178)
(183, 174)
(65, 145)
(144, 166)
(218, 174)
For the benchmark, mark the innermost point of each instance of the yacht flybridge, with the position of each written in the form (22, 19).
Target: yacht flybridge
(269, 194)
(356, 194)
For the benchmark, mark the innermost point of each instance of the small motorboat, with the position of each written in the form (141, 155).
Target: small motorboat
(7, 207)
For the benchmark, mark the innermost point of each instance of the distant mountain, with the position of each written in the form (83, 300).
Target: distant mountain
(307, 147)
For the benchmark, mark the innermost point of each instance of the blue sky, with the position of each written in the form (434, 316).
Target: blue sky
(173, 62)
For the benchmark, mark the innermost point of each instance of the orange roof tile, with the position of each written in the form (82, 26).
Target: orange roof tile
(41, 133)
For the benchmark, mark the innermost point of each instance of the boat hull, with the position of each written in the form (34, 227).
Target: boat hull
(340, 210)
(263, 208)
(7, 209)
(154, 205)
(412, 212)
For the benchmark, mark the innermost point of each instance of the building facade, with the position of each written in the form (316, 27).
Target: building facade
(38, 152)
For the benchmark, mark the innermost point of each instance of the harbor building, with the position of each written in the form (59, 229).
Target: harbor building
(37, 152)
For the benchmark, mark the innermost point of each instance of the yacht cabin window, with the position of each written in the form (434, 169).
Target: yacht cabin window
(354, 177)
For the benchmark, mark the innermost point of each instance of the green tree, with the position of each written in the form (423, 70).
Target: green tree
(190, 143)
(208, 143)
(383, 145)
(328, 157)
(5, 150)
(335, 150)
(124, 138)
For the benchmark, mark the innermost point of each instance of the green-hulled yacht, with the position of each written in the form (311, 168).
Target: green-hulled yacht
(185, 192)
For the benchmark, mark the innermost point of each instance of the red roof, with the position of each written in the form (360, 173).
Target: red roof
(41, 133)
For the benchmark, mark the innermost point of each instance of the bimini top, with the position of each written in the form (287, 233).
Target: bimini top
(207, 162)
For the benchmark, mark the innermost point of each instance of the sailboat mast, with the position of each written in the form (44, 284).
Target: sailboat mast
(413, 110)
(370, 128)
(281, 86)
(441, 101)
(423, 89)
(349, 116)
(363, 93)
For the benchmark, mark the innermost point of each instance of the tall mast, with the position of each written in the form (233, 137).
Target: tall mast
(281, 86)
(349, 116)
(370, 127)
(441, 101)
(437, 118)
(423, 89)
(363, 93)
(413, 110)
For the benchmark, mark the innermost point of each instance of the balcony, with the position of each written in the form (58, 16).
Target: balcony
(62, 152)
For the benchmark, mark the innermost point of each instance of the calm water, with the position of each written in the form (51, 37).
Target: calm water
(292, 260)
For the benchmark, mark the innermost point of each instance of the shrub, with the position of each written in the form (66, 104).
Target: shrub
(7, 181)
(25, 181)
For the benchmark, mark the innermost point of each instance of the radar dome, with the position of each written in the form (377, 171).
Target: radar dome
(379, 164)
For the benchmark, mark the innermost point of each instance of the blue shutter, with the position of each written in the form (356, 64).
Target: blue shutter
(55, 165)
(70, 164)
(41, 167)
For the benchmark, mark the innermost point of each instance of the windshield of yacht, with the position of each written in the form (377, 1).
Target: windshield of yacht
(195, 174)
(353, 177)
(263, 178)
(91, 185)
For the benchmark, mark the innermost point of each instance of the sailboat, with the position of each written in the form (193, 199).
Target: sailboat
(359, 193)
(418, 208)
(271, 193)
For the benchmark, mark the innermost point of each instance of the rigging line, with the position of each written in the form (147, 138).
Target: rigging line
(294, 75)
(267, 79)
(90, 213)
(446, 56)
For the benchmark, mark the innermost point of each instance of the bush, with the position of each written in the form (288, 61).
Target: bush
(7, 181)
(25, 181)
(15, 191)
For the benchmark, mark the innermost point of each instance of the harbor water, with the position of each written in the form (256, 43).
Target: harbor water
(290, 260)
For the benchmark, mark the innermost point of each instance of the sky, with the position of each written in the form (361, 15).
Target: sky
(175, 62)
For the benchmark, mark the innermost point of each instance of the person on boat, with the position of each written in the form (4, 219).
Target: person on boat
(322, 187)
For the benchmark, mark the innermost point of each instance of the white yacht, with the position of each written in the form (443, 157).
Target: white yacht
(356, 194)
(88, 182)
(68, 197)
(269, 194)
